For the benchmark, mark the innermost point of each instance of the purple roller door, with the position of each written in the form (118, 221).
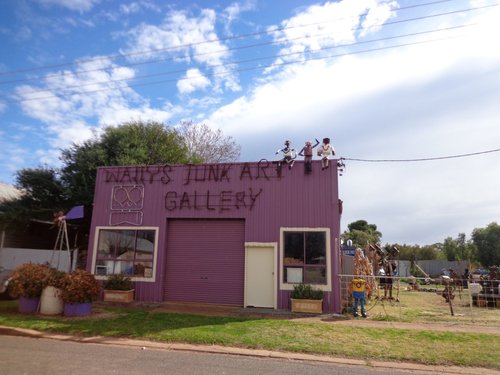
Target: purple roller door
(205, 261)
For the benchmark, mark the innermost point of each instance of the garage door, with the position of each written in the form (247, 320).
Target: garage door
(205, 261)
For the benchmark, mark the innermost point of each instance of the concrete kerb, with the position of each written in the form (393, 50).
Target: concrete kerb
(216, 349)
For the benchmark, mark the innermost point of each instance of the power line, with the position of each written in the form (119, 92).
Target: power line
(260, 67)
(422, 159)
(255, 59)
(358, 28)
(240, 36)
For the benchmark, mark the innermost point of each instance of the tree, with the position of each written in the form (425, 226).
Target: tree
(487, 242)
(417, 252)
(132, 143)
(42, 194)
(361, 233)
(207, 145)
(459, 248)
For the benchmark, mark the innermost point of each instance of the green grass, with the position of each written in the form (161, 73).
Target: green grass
(422, 346)
(429, 307)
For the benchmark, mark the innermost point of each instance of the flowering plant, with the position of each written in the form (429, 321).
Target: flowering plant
(80, 286)
(55, 278)
(28, 280)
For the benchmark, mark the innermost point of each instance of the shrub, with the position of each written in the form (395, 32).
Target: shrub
(55, 278)
(80, 287)
(118, 282)
(305, 291)
(28, 280)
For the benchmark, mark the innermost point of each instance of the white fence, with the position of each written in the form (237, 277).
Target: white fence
(10, 258)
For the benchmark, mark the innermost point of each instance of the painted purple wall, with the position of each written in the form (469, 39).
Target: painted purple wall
(148, 195)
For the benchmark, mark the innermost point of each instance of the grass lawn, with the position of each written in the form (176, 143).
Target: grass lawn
(422, 346)
(430, 307)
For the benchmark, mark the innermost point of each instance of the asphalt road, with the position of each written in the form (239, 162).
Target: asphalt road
(22, 355)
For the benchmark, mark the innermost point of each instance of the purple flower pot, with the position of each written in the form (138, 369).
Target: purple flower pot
(77, 309)
(28, 305)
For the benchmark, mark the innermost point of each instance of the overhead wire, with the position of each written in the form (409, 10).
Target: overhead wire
(231, 64)
(189, 45)
(422, 159)
(279, 41)
(219, 74)
(255, 59)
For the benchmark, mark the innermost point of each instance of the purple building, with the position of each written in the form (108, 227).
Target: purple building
(237, 233)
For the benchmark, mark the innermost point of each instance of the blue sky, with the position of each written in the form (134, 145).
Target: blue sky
(383, 79)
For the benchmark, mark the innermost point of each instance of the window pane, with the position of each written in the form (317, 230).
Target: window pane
(293, 275)
(145, 245)
(315, 248)
(294, 248)
(315, 275)
(105, 248)
(129, 252)
(126, 268)
(125, 244)
(143, 269)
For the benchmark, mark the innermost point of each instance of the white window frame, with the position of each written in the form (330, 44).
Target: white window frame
(289, 286)
(155, 251)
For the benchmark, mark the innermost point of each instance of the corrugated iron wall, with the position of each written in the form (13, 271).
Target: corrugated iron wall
(255, 192)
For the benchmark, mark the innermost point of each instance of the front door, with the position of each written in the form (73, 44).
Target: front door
(260, 275)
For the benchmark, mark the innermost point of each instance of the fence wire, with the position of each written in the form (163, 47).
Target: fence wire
(426, 300)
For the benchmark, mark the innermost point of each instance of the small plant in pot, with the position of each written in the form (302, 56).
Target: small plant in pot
(27, 283)
(80, 289)
(306, 299)
(118, 288)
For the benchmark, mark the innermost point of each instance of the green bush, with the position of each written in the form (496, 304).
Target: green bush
(118, 282)
(305, 291)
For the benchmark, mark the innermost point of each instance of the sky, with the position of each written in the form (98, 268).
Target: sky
(388, 81)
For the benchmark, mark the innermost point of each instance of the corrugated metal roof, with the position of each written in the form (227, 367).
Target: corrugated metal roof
(8, 192)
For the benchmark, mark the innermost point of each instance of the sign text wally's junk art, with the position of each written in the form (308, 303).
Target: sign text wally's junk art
(193, 187)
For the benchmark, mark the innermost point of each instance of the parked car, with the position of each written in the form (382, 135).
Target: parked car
(5, 275)
(478, 273)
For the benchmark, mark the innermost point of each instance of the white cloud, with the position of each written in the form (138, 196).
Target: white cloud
(68, 103)
(330, 24)
(187, 38)
(193, 80)
(432, 99)
(233, 11)
(78, 5)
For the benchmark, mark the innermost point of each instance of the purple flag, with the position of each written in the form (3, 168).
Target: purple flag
(75, 213)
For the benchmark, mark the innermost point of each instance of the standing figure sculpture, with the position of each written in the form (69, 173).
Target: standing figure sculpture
(307, 153)
(325, 150)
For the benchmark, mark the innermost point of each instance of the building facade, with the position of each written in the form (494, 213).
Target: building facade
(237, 233)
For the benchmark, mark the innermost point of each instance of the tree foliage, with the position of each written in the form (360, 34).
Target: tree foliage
(361, 233)
(42, 194)
(459, 248)
(417, 252)
(207, 145)
(487, 242)
(132, 143)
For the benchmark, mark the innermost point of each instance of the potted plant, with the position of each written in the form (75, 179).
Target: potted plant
(27, 283)
(306, 299)
(51, 302)
(80, 289)
(118, 288)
